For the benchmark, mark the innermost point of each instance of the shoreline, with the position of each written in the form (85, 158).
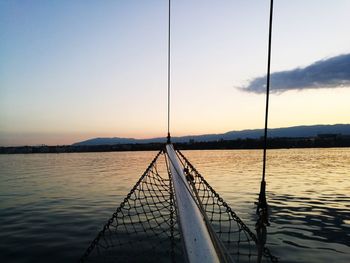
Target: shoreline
(240, 144)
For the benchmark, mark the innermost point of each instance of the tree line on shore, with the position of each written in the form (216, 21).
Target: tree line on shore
(273, 143)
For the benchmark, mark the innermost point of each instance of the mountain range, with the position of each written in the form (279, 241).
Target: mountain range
(295, 131)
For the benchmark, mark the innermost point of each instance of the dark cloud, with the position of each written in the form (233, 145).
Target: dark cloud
(328, 73)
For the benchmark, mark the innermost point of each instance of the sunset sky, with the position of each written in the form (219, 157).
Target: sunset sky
(73, 70)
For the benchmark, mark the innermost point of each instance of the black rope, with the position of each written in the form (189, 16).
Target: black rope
(267, 90)
(172, 212)
(262, 206)
(168, 137)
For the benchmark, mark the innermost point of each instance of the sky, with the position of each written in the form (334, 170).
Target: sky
(74, 70)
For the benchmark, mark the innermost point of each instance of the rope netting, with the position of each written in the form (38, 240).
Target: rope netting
(144, 228)
(238, 239)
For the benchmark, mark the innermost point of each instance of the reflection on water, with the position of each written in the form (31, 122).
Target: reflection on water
(310, 226)
(321, 222)
(52, 205)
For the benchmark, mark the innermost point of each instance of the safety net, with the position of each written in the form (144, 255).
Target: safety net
(145, 226)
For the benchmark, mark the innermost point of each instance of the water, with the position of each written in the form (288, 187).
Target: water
(53, 205)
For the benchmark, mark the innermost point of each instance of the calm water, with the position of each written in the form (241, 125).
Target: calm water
(53, 205)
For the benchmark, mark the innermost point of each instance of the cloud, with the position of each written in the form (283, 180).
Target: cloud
(333, 72)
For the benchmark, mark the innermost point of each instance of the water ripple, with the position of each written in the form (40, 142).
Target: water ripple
(52, 205)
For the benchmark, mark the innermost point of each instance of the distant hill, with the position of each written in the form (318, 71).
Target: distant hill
(296, 131)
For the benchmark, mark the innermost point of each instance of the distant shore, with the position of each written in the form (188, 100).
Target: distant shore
(273, 143)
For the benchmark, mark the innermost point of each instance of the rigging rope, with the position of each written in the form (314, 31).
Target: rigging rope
(262, 206)
(169, 7)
